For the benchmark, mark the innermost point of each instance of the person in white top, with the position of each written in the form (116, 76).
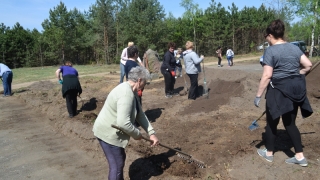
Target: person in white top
(230, 55)
(123, 60)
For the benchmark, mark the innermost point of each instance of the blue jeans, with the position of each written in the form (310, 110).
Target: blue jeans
(178, 69)
(229, 58)
(116, 157)
(6, 81)
(122, 72)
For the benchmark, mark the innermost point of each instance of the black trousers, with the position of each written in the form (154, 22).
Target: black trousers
(71, 100)
(219, 60)
(288, 120)
(193, 91)
(169, 81)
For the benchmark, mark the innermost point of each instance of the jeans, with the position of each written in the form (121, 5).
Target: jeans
(122, 72)
(6, 81)
(229, 58)
(116, 157)
(178, 69)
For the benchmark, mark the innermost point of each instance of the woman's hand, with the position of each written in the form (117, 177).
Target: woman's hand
(155, 140)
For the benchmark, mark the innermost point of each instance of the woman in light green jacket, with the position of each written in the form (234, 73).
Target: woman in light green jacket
(122, 108)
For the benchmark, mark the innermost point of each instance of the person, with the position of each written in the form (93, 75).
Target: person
(71, 87)
(152, 63)
(122, 109)
(133, 54)
(6, 76)
(167, 69)
(193, 67)
(284, 69)
(179, 57)
(123, 60)
(230, 55)
(219, 54)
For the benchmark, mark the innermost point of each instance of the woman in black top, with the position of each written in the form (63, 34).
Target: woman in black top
(167, 69)
(284, 69)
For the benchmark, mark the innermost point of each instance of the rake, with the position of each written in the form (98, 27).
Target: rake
(254, 125)
(180, 154)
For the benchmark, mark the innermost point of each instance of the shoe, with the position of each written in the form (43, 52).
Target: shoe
(175, 77)
(294, 160)
(168, 96)
(219, 66)
(174, 94)
(263, 153)
(70, 116)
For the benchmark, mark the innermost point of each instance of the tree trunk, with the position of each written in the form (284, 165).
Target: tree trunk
(315, 15)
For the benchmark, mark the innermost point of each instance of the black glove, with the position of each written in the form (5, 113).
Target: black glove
(257, 101)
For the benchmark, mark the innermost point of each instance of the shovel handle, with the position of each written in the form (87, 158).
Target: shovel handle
(147, 139)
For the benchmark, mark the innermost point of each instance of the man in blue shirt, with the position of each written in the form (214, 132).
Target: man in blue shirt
(6, 77)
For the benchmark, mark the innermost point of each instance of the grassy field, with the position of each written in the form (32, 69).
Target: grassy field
(21, 75)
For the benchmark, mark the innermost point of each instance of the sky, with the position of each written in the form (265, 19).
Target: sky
(31, 13)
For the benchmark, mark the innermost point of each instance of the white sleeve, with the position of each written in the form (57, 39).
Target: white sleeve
(139, 59)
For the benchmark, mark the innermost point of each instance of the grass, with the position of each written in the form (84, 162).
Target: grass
(21, 75)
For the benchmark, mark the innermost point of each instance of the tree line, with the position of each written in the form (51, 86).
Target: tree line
(99, 34)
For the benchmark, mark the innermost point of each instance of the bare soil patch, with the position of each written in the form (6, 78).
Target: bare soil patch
(213, 130)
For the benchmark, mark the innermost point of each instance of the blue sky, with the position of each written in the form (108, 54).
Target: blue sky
(31, 13)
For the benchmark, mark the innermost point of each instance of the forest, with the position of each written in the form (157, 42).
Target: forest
(97, 36)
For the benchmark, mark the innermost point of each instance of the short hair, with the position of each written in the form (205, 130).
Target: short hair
(130, 44)
(171, 44)
(137, 73)
(68, 63)
(276, 28)
(132, 50)
(189, 44)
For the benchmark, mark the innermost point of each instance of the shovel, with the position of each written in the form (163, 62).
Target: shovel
(205, 88)
(180, 154)
(254, 125)
(186, 87)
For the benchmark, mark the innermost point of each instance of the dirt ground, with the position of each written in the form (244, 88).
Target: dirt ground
(213, 129)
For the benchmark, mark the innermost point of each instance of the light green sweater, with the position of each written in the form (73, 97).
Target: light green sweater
(120, 109)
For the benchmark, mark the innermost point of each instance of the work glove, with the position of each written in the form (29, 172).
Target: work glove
(173, 74)
(60, 81)
(257, 101)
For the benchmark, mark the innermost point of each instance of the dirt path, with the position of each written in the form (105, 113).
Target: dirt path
(31, 149)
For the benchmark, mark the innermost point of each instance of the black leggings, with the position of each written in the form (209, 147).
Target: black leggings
(288, 120)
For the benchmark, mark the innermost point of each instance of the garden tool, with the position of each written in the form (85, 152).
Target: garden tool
(205, 88)
(254, 125)
(180, 154)
(186, 87)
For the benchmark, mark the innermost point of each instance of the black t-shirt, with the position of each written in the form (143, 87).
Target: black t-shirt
(129, 65)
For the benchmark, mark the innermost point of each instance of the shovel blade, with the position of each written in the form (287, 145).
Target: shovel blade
(254, 125)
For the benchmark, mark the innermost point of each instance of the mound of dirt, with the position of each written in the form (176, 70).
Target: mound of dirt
(213, 129)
